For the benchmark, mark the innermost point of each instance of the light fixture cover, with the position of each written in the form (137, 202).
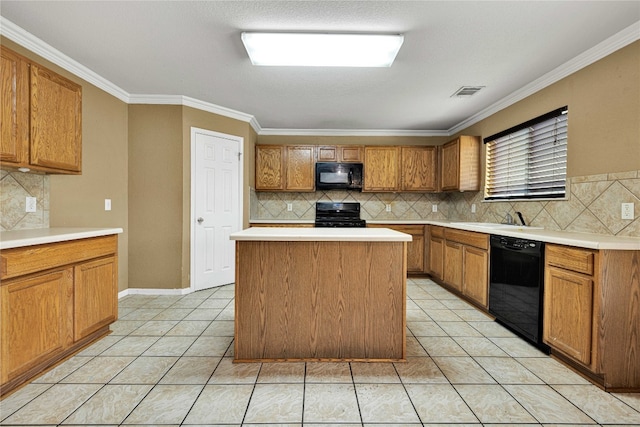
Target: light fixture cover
(322, 49)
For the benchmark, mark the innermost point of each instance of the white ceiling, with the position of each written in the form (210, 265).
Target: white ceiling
(193, 49)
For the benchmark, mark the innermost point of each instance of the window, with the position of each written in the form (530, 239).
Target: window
(528, 161)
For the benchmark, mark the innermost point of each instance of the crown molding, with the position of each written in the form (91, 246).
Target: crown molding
(27, 40)
(596, 53)
(351, 132)
(197, 104)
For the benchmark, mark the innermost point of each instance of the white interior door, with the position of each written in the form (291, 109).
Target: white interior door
(216, 210)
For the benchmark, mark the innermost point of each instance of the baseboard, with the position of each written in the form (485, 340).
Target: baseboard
(145, 291)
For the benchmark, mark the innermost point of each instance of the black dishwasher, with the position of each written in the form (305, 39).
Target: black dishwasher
(516, 286)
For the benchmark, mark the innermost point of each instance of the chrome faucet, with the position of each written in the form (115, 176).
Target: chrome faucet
(508, 219)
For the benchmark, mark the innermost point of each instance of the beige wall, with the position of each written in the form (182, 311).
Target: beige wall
(78, 200)
(604, 114)
(155, 196)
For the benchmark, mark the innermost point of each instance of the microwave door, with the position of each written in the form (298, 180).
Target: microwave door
(334, 177)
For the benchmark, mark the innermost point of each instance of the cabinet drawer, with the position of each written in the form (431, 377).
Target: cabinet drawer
(470, 238)
(436, 231)
(573, 259)
(20, 261)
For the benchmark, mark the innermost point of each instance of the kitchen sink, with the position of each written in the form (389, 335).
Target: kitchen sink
(495, 225)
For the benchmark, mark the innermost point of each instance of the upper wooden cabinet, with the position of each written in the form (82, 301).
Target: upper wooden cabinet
(339, 153)
(285, 168)
(381, 168)
(460, 164)
(418, 167)
(41, 118)
(14, 122)
(299, 168)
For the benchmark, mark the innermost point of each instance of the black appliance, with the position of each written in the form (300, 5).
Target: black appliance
(331, 214)
(338, 176)
(516, 286)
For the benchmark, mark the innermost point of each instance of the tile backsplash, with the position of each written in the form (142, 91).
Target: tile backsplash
(15, 187)
(593, 205)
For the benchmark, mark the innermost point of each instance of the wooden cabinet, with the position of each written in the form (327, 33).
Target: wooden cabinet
(381, 168)
(269, 167)
(415, 248)
(299, 168)
(568, 301)
(56, 298)
(436, 251)
(35, 327)
(41, 118)
(460, 164)
(339, 153)
(419, 168)
(95, 301)
(14, 120)
(460, 260)
(453, 265)
(475, 279)
(285, 168)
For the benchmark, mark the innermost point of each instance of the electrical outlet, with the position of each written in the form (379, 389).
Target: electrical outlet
(289, 207)
(388, 207)
(627, 211)
(434, 208)
(31, 204)
(473, 208)
(107, 204)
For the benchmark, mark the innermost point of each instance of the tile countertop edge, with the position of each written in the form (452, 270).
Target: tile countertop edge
(292, 234)
(39, 236)
(569, 238)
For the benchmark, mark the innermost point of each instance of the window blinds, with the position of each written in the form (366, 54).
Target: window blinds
(528, 161)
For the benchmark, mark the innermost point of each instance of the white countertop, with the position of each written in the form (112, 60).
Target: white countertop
(39, 236)
(569, 238)
(297, 234)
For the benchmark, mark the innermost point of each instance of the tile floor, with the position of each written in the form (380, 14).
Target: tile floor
(168, 362)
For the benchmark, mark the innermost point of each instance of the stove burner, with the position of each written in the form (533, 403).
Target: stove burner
(331, 214)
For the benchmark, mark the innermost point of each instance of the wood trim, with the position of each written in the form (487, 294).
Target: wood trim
(21, 261)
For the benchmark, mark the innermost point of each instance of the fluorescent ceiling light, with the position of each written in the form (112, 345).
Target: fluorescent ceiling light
(322, 50)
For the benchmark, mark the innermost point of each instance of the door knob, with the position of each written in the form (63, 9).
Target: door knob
(200, 220)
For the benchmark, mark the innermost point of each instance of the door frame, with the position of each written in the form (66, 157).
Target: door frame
(192, 220)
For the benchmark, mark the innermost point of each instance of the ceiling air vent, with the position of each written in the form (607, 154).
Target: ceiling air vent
(466, 91)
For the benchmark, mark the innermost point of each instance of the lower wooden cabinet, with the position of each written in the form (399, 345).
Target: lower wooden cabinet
(460, 260)
(56, 298)
(415, 248)
(475, 278)
(93, 298)
(35, 321)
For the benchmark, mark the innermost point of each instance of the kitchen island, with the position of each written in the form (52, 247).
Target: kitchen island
(325, 294)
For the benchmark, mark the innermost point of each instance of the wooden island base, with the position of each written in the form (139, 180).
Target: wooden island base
(320, 301)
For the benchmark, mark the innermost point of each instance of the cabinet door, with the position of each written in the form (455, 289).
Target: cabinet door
(14, 120)
(436, 257)
(453, 265)
(381, 168)
(300, 171)
(327, 153)
(269, 167)
(56, 121)
(568, 313)
(450, 172)
(415, 248)
(475, 280)
(419, 168)
(95, 298)
(36, 316)
(350, 154)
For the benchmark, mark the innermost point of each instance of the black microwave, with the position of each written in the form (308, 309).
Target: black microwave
(338, 176)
